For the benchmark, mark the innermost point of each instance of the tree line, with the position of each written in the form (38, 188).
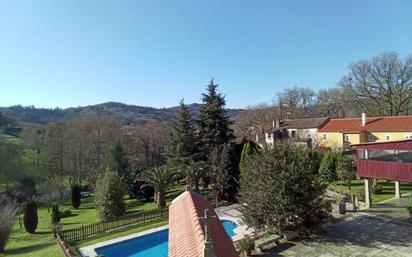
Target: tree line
(379, 86)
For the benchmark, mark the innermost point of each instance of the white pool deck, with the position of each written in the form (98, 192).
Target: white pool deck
(224, 213)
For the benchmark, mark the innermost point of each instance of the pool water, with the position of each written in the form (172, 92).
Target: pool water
(229, 227)
(150, 245)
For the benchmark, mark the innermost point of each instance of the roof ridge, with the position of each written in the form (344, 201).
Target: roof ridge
(199, 233)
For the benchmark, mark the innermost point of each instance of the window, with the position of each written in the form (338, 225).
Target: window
(293, 133)
(346, 138)
(408, 136)
(371, 138)
(387, 138)
(269, 135)
(324, 136)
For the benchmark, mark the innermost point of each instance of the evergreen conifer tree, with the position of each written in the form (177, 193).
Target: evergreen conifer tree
(248, 149)
(109, 194)
(214, 123)
(182, 145)
(30, 218)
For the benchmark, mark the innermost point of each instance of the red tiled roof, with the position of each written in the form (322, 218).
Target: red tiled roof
(187, 231)
(374, 124)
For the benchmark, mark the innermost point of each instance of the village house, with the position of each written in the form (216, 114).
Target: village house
(298, 131)
(342, 133)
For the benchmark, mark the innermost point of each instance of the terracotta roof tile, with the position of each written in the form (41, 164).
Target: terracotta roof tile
(186, 230)
(374, 124)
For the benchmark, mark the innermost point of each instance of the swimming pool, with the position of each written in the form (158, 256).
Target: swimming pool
(229, 227)
(150, 245)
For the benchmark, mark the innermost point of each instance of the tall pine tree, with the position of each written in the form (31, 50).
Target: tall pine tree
(182, 147)
(214, 123)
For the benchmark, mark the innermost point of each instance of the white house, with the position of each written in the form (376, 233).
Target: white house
(299, 131)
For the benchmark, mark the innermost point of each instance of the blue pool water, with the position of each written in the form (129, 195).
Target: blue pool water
(229, 227)
(151, 245)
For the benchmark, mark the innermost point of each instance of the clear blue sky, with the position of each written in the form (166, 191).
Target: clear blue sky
(153, 53)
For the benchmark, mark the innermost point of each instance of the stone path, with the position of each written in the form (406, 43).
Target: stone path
(362, 235)
(394, 209)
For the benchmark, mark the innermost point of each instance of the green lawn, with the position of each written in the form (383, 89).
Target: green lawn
(42, 243)
(388, 189)
(9, 138)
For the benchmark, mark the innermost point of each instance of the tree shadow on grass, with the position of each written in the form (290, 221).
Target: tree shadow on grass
(26, 250)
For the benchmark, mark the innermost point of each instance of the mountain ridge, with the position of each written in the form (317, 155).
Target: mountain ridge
(126, 113)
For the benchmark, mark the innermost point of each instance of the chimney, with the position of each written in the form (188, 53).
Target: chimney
(364, 120)
(208, 250)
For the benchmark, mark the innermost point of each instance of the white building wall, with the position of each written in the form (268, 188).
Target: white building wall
(306, 133)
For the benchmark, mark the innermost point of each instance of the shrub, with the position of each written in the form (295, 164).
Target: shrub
(65, 213)
(346, 170)
(76, 196)
(246, 244)
(109, 193)
(7, 218)
(279, 188)
(55, 214)
(147, 192)
(327, 169)
(377, 189)
(30, 219)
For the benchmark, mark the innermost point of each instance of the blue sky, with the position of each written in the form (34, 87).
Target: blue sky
(153, 53)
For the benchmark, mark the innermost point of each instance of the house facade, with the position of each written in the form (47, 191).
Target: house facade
(298, 131)
(342, 133)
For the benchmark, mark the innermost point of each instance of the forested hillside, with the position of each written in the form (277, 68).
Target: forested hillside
(127, 114)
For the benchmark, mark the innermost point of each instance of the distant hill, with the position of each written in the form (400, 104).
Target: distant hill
(126, 114)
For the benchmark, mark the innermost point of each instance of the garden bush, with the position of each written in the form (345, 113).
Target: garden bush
(377, 189)
(345, 169)
(65, 213)
(30, 219)
(55, 214)
(76, 196)
(109, 193)
(7, 218)
(246, 245)
(327, 169)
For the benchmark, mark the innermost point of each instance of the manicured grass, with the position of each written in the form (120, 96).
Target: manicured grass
(388, 189)
(42, 243)
(9, 138)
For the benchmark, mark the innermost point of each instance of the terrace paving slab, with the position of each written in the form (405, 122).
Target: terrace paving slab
(393, 209)
(362, 235)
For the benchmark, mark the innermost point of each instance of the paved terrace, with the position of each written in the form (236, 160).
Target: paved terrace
(362, 235)
(393, 209)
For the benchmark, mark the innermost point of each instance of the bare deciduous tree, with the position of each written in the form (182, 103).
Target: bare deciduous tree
(381, 85)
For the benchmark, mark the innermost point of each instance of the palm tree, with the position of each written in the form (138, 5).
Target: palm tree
(160, 178)
(196, 172)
